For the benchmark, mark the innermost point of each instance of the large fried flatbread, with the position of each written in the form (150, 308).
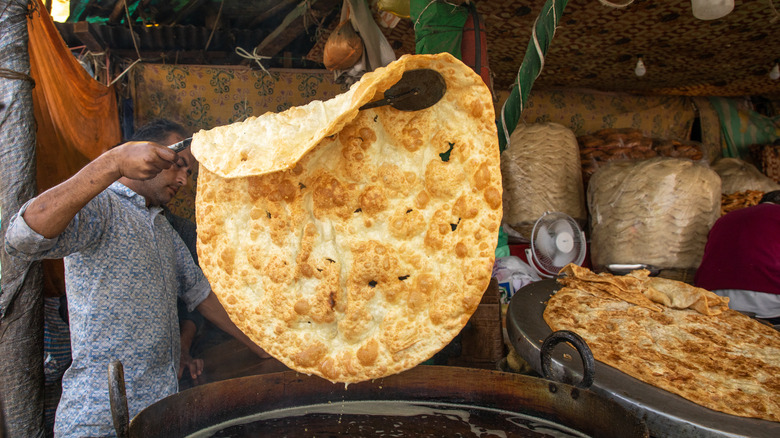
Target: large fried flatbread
(679, 295)
(721, 360)
(360, 249)
(627, 288)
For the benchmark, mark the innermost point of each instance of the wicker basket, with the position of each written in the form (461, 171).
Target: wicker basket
(767, 159)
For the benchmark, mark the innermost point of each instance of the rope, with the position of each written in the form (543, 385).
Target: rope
(16, 76)
(253, 56)
(775, 14)
(216, 24)
(125, 71)
(130, 26)
(531, 67)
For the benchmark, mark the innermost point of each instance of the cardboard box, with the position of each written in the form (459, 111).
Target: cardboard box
(482, 343)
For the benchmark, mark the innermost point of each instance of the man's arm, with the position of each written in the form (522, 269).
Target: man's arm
(212, 309)
(51, 212)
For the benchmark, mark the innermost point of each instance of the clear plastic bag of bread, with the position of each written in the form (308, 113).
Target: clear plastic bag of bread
(738, 176)
(656, 212)
(541, 172)
(344, 47)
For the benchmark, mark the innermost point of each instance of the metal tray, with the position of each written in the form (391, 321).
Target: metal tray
(666, 414)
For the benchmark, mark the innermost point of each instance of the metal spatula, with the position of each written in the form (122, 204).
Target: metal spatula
(180, 146)
(416, 90)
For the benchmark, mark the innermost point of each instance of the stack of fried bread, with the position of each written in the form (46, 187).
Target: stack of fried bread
(674, 336)
(354, 244)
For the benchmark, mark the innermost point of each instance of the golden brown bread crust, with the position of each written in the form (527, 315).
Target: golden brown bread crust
(717, 358)
(370, 252)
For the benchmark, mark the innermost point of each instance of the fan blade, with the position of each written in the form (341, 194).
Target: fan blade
(563, 259)
(562, 226)
(544, 242)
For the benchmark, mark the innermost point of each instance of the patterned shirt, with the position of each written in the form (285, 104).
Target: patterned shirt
(124, 267)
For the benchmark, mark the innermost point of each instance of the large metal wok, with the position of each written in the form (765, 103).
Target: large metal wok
(666, 414)
(425, 401)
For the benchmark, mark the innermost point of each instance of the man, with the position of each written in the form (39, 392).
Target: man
(125, 267)
(742, 259)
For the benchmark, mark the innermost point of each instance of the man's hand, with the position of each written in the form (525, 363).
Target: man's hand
(142, 160)
(193, 366)
(51, 212)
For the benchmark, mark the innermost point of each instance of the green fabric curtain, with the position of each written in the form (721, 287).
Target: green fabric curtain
(741, 127)
(438, 26)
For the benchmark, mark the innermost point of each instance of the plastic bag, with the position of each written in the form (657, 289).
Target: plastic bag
(343, 49)
(399, 8)
(512, 273)
(655, 212)
(738, 176)
(541, 172)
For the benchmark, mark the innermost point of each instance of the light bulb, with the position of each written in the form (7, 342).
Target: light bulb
(640, 69)
(774, 74)
(711, 9)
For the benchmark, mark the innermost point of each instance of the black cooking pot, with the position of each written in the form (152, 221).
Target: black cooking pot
(431, 401)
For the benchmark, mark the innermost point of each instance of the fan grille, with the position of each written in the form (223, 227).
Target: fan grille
(560, 226)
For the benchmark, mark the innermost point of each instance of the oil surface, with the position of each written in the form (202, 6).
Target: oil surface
(388, 419)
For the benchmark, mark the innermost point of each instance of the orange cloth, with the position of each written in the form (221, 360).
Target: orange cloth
(77, 117)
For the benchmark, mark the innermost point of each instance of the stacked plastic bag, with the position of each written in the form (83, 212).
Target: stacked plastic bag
(541, 172)
(739, 176)
(656, 212)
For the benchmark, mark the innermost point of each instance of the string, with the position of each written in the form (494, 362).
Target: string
(125, 71)
(776, 15)
(15, 75)
(216, 24)
(253, 56)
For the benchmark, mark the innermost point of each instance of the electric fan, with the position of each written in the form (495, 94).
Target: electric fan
(556, 241)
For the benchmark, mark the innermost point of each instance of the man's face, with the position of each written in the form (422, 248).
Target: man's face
(162, 188)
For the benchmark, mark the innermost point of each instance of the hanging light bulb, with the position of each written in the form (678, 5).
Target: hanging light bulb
(640, 69)
(711, 9)
(774, 74)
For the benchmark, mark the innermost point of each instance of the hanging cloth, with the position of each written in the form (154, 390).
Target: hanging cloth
(77, 117)
(474, 45)
(438, 26)
(741, 127)
(377, 50)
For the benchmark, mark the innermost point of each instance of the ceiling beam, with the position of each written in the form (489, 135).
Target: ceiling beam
(280, 6)
(89, 37)
(294, 24)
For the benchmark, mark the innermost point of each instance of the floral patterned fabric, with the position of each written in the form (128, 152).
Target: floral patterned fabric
(583, 111)
(203, 97)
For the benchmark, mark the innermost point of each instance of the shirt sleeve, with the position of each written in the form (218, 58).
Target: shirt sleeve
(85, 229)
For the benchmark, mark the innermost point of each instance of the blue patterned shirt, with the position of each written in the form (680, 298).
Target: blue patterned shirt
(124, 267)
